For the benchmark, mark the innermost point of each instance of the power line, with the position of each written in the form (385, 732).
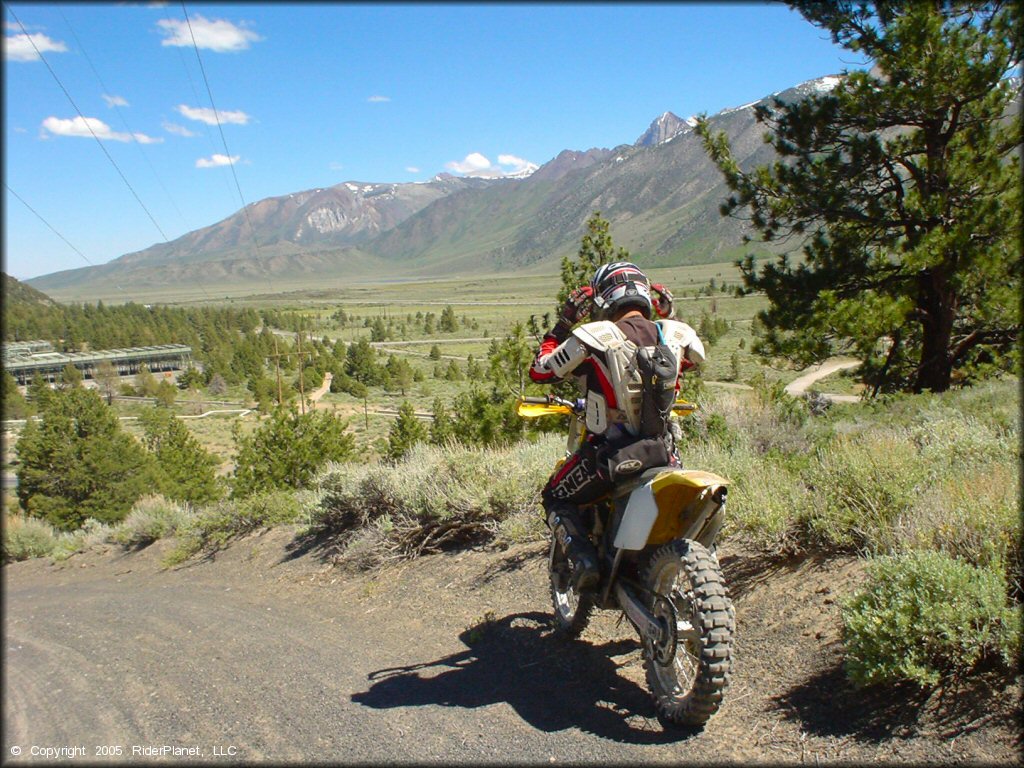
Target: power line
(58, 234)
(85, 121)
(195, 93)
(227, 152)
(48, 224)
(120, 114)
(100, 143)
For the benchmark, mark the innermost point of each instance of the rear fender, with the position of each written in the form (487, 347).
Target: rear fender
(672, 504)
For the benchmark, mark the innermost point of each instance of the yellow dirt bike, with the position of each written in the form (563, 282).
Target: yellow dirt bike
(655, 537)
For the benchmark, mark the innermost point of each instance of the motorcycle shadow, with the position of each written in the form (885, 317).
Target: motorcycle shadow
(552, 683)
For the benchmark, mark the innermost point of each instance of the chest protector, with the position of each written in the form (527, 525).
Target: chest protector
(643, 379)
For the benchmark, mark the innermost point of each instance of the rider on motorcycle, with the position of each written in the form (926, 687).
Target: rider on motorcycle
(619, 300)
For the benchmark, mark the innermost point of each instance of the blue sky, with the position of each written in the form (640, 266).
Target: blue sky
(311, 95)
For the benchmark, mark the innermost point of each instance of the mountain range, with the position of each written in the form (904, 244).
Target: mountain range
(661, 195)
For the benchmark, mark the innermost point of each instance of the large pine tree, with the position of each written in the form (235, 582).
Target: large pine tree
(904, 183)
(77, 462)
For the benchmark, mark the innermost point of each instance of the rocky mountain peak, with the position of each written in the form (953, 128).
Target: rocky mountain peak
(667, 126)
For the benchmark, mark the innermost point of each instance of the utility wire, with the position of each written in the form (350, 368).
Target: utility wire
(48, 224)
(120, 114)
(227, 152)
(86, 122)
(99, 142)
(195, 93)
(58, 234)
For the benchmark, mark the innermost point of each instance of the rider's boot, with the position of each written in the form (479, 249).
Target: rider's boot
(564, 521)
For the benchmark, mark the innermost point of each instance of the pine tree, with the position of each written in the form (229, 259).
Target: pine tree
(905, 182)
(288, 450)
(449, 322)
(77, 463)
(453, 372)
(165, 393)
(187, 470)
(70, 377)
(596, 248)
(15, 406)
(361, 363)
(441, 428)
(145, 382)
(403, 376)
(405, 432)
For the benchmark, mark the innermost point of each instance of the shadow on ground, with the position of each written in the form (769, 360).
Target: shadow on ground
(552, 683)
(828, 704)
(322, 545)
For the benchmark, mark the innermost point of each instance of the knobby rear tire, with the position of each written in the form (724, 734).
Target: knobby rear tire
(689, 689)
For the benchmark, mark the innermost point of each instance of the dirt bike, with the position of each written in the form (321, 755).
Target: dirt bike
(655, 537)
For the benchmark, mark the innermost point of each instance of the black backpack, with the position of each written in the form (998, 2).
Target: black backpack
(658, 370)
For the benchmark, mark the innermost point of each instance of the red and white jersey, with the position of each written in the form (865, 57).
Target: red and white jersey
(602, 355)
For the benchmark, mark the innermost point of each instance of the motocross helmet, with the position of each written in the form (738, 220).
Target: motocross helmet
(619, 286)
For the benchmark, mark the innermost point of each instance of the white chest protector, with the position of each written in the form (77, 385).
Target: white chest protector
(619, 367)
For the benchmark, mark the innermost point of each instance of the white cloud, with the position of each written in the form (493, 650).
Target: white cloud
(212, 34)
(20, 47)
(208, 116)
(115, 101)
(177, 130)
(475, 164)
(517, 164)
(412, 169)
(334, 166)
(91, 126)
(216, 161)
(378, 99)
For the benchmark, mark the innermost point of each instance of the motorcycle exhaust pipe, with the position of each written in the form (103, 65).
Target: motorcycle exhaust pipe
(644, 621)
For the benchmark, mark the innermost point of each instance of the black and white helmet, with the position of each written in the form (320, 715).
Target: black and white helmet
(618, 286)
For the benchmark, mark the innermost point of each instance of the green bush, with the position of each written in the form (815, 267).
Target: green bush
(973, 515)
(151, 518)
(212, 528)
(923, 617)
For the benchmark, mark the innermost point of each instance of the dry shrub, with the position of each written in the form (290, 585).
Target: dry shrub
(27, 537)
(432, 499)
(150, 519)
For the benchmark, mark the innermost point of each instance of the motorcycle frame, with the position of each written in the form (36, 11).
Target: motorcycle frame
(700, 518)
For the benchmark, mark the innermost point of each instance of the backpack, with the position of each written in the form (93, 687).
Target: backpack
(657, 368)
(643, 379)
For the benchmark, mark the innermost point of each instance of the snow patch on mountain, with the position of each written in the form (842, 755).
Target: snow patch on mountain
(826, 84)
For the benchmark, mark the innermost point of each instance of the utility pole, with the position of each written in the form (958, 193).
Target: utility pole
(302, 390)
(277, 366)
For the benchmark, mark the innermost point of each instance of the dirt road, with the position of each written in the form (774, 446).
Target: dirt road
(798, 386)
(266, 654)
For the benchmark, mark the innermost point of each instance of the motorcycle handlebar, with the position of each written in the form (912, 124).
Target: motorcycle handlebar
(552, 400)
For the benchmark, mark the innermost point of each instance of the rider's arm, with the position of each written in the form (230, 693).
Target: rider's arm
(557, 358)
(560, 352)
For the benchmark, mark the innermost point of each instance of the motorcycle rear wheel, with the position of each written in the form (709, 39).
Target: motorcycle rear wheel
(572, 608)
(688, 671)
